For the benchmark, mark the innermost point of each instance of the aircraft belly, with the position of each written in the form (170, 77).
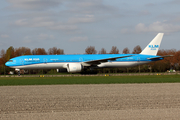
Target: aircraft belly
(122, 64)
(53, 65)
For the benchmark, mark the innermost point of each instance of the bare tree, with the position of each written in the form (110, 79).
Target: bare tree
(90, 50)
(103, 51)
(126, 51)
(22, 51)
(137, 50)
(114, 50)
(55, 51)
(39, 51)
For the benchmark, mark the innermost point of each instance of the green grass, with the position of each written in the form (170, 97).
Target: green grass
(88, 80)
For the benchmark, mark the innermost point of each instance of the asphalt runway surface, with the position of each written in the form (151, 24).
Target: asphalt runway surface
(91, 102)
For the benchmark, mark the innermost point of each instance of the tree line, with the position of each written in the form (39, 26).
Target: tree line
(159, 66)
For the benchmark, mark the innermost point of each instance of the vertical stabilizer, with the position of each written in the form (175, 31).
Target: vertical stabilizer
(153, 47)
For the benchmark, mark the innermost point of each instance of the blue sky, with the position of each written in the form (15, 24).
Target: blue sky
(73, 25)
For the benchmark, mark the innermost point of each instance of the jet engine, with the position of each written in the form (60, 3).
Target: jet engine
(62, 70)
(17, 69)
(74, 67)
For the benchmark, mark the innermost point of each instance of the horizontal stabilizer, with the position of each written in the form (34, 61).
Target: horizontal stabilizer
(159, 57)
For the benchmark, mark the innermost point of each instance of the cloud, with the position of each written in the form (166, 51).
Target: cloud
(34, 22)
(175, 2)
(45, 36)
(45, 22)
(4, 36)
(91, 7)
(84, 19)
(66, 17)
(77, 39)
(86, 4)
(78, 6)
(27, 39)
(154, 27)
(150, 5)
(157, 27)
(144, 13)
(21, 22)
(34, 4)
(64, 27)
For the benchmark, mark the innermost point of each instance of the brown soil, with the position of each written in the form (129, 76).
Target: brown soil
(92, 102)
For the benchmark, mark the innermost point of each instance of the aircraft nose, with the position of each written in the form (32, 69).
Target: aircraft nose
(7, 63)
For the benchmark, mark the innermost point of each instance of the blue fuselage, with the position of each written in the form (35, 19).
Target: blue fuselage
(60, 61)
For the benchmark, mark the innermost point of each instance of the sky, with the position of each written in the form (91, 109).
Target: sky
(73, 25)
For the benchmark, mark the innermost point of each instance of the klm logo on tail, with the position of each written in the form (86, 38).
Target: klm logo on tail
(153, 47)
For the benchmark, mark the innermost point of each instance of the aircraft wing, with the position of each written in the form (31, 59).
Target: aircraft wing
(99, 61)
(159, 57)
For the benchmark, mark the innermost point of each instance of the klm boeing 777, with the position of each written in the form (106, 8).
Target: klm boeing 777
(77, 63)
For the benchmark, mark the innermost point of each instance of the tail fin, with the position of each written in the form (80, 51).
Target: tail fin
(153, 47)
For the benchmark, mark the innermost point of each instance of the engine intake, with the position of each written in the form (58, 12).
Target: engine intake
(74, 67)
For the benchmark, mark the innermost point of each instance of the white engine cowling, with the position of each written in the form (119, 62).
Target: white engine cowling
(17, 69)
(74, 67)
(62, 70)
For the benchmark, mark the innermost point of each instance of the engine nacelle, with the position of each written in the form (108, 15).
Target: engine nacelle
(74, 67)
(17, 69)
(62, 70)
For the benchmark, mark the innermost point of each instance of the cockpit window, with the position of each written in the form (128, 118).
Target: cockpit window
(10, 60)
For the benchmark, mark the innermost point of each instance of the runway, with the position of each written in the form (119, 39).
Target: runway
(91, 102)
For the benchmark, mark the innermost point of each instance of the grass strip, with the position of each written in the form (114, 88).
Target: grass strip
(89, 80)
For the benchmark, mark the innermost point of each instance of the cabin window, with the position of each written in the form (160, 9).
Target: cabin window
(10, 60)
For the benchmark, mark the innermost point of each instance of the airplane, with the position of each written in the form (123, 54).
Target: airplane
(78, 63)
